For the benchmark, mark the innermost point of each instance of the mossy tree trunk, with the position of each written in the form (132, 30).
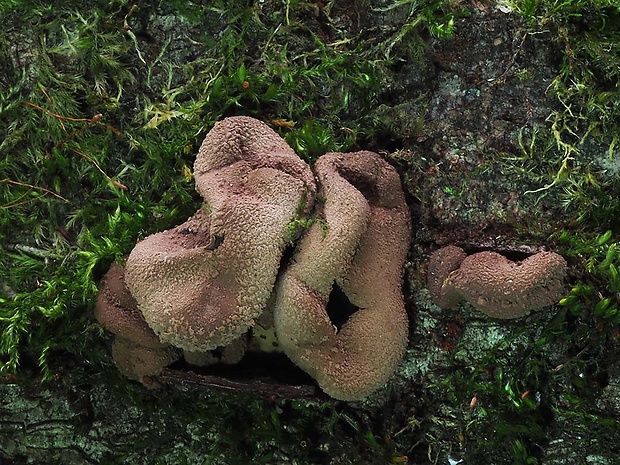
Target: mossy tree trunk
(501, 124)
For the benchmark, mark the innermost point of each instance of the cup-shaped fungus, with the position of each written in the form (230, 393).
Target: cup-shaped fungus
(495, 285)
(137, 351)
(202, 284)
(358, 243)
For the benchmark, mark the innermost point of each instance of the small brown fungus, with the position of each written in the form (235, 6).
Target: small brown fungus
(137, 351)
(117, 310)
(443, 262)
(138, 362)
(495, 285)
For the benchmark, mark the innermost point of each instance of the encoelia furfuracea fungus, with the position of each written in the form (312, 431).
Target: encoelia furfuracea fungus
(203, 284)
(220, 276)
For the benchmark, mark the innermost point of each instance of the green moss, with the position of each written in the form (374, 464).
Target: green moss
(595, 293)
(574, 155)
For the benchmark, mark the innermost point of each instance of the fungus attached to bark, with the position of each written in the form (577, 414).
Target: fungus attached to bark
(359, 242)
(441, 264)
(202, 284)
(495, 285)
(140, 363)
(137, 351)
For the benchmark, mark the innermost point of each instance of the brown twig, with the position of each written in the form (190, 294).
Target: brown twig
(94, 120)
(49, 99)
(56, 115)
(16, 202)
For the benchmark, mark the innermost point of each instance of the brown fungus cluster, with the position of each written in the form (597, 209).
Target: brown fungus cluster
(358, 242)
(495, 285)
(203, 284)
(211, 281)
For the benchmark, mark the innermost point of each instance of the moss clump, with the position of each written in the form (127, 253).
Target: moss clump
(574, 156)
